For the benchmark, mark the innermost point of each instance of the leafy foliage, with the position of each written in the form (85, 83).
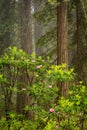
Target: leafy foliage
(41, 85)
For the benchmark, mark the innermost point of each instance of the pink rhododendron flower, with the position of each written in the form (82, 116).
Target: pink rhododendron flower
(50, 86)
(23, 89)
(39, 66)
(37, 75)
(51, 110)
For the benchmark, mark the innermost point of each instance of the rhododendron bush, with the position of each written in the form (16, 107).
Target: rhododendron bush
(41, 84)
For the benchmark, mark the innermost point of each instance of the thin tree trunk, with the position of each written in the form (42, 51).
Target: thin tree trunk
(79, 41)
(62, 41)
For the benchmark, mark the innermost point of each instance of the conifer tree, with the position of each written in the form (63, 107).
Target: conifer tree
(62, 40)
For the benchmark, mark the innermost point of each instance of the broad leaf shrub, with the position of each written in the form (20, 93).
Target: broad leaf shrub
(72, 111)
(41, 85)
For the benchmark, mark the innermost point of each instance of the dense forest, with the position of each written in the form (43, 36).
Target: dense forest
(43, 65)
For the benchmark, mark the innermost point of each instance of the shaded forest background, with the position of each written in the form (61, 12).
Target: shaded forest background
(35, 26)
(54, 28)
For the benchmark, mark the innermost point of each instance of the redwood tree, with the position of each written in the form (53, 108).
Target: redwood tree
(80, 36)
(62, 40)
(25, 25)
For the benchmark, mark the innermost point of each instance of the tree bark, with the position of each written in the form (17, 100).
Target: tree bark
(26, 45)
(25, 25)
(62, 41)
(79, 41)
(5, 21)
(38, 29)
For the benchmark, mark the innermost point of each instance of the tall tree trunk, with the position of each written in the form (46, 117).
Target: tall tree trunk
(62, 40)
(26, 45)
(5, 27)
(37, 29)
(79, 40)
(25, 25)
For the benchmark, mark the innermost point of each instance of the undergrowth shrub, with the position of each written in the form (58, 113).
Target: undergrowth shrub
(68, 113)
